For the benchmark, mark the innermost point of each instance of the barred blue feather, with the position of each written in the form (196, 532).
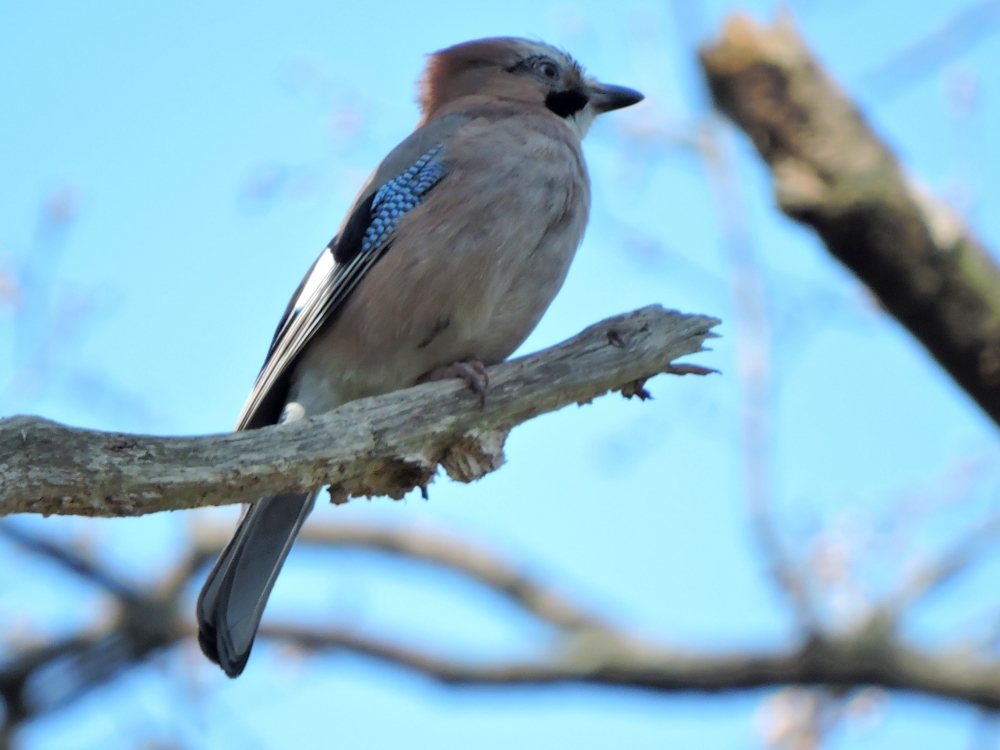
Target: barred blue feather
(399, 195)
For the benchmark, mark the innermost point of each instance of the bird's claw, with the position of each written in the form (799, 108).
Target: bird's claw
(472, 372)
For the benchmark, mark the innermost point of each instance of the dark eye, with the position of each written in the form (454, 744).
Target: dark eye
(548, 69)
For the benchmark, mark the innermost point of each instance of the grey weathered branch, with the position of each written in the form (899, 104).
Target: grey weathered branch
(380, 446)
(834, 174)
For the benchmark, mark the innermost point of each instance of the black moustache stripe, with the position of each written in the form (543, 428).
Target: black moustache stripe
(566, 103)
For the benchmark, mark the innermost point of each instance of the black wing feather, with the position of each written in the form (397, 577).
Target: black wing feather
(290, 308)
(347, 244)
(332, 277)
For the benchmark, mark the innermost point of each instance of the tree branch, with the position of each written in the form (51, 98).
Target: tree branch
(870, 657)
(590, 650)
(595, 651)
(379, 446)
(68, 560)
(834, 174)
(970, 24)
(961, 554)
(753, 368)
(453, 553)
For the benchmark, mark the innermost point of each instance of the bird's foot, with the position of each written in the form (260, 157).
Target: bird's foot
(472, 372)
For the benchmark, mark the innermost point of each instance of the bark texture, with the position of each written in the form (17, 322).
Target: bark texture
(379, 446)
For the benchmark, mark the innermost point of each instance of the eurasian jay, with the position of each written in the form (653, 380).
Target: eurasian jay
(447, 260)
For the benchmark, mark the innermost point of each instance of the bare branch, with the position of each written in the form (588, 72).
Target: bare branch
(139, 627)
(753, 362)
(834, 174)
(590, 650)
(441, 550)
(14, 673)
(596, 652)
(869, 657)
(380, 446)
(68, 560)
(472, 561)
(950, 40)
(961, 553)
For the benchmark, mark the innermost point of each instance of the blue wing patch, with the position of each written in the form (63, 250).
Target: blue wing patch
(399, 195)
(366, 236)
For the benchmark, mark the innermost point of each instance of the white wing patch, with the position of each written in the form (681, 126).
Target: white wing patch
(324, 264)
(330, 282)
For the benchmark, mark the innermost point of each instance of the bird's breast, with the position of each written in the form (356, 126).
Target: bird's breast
(471, 270)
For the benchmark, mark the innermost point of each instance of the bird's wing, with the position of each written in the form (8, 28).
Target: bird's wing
(400, 183)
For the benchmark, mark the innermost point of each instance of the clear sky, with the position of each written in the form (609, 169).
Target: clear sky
(208, 151)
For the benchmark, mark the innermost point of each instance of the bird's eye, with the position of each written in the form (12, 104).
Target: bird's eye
(548, 69)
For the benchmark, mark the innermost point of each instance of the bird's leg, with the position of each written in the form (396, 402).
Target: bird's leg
(472, 372)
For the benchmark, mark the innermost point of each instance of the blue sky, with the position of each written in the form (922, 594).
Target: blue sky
(210, 151)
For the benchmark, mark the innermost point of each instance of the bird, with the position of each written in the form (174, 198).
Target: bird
(446, 261)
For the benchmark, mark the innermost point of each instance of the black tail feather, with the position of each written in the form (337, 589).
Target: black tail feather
(232, 600)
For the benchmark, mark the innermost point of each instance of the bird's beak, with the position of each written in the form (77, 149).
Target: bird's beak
(605, 97)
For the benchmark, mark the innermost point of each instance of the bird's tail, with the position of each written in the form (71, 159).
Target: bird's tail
(232, 600)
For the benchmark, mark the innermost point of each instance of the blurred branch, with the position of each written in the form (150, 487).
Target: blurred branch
(861, 659)
(67, 560)
(948, 41)
(40, 679)
(143, 622)
(472, 561)
(712, 142)
(753, 360)
(594, 651)
(455, 554)
(960, 555)
(597, 652)
(379, 446)
(708, 137)
(832, 173)
(588, 650)
(14, 674)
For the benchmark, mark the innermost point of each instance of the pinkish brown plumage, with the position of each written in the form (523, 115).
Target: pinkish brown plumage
(450, 255)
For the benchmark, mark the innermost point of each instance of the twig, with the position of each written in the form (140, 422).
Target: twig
(961, 553)
(441, 550)
(753, 364)
(710, 141)
(68, 560)
(961, 31)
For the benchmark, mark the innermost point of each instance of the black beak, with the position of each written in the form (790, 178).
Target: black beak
(605, 97)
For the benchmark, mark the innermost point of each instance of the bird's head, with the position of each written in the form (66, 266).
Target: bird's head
(523, 71)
